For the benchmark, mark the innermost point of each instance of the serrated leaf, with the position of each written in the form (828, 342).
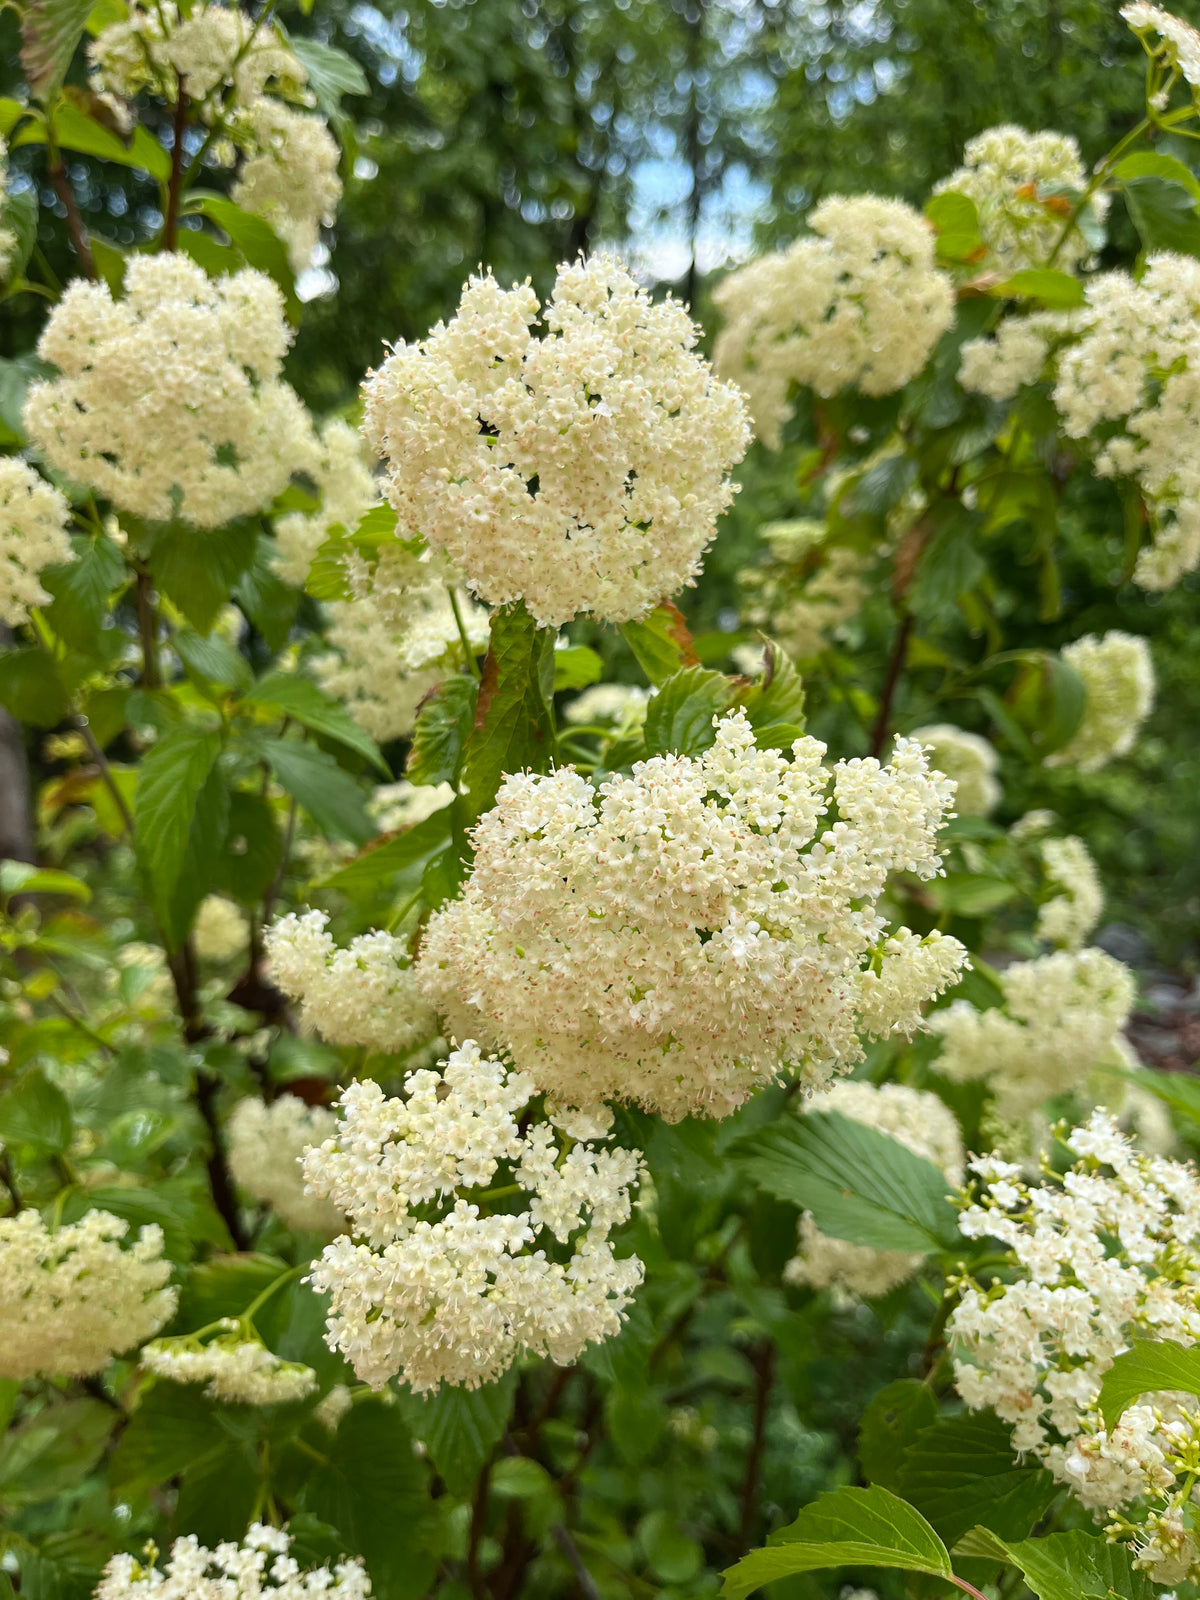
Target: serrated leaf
(859, 1184)
(461, 1428)
(661, 642)
(892, 1421)
(513, 729)
(173, 772)
(35, 1116)
(331, 72)
(196, 570)
(213, 659)
(1164, 212)
(174, 1427)
(1150, 1365)
(1058, 291)
(443, 727)
(776, 700)
(81, 590)
(301, 699)
(268, 602)
(881, 486)
(679, 718)
(53, 1451)
(21, 218)
(50, 31)
(1066, 1566)
(313, 778)
(397, 864)
(844, 1528)
(963, 1472)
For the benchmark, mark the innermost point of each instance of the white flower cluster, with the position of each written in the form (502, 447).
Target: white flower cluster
(622, 704)
(1105, 1254)
(71, 1298)
(1024, 186)
(1016, 354)
(235, 1369)
(807, 590)
(1062, 1017)
(221, 929)
(342, 475)
(169, 401)
(1118, 675)
(33, 536)
(212, 47)
(1068, 917)
(686, 934)
(266, 1146)
(290, 175)
(259, 1569)
(858, 301)
(970, 761)
(438, 1289)
(1137, 362)
(921, 1123)
(1178, 43)
(365, 994)
(396, 640)
(581, 471)
(394, 806)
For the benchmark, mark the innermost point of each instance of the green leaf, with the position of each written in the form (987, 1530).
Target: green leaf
(1178, 1089)
(372, 1487)
(443, 727)
(776, 700)
(514, 722)
(35, 1116)
(15, 377)
(844, 1528)
(332, 798)
(1150, 1365)
(213, 259)
(1164, 213)
(81, 590)
(670, 1554)
(75, 130)
(213, 658)
(881, 486)
(963, 1471)
(1155, 164)
(955, 218)
(331, 73)
(21, 877)
(53, 1451)
(173, 1428)
(205, 845)
(679, 718)
(269, 603)
(894, 1418)
(396, 866)
(1058, 291)
(21, 218)
(461, 1428)
(197, 569)
(661, 642)
(1066, 1566)
(969, 896)
(301, 699)
(250, 859)
(576, 667)
(950, 566)
(31, 688)
(173, 772)
(255, 241)
(859, 1184)
(50, 31)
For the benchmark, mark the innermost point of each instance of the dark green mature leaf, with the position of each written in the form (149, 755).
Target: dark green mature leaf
(1164, 212)
(775, 703)
(173, 773)
(218, 1494)
(250, 858)
(951, 565)
(173, 1428)
(269, 603)
(1065, 1566)
(896, 1415)
(514, 720)
(374, 1487)
(81, 590)
(963, 1472)
(461, 1428)
(331, 73)
(300, 699)
(661, 642)
(207, 829)
(212, 659)
(21, 218)
(258, 243)
(858, 1183)
(32, 688)
(197, 570)
(53, 1451)
(35, 1116)
(881, 486)
(331, 796)
(844, 1528)
(444, 725)
(679, 718)
(1150, 1365)
(396, 865)
(50, 31)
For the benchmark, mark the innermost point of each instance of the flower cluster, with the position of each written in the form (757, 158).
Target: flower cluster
(212, 47)
(1062, 1017)
(33, 536)
(806, 590)
(259, 1569)
(236, 1369)
(580, 471)
(858, 302)
(1177, 44)
(365, 994)
(71, 1298)
(1016, 354)
(266, 1146)
(921, 1123)
(1068, 917)
(1137, 363)
(394, 806)
(970, 761)
(1103, 1254)
(1024, 186)
(396, 640)
(342, 475)
(169, 401)
(686, 934)
(440, 1287)
(290, 175)
(622, 704)
(1118, 675)
(221, 930)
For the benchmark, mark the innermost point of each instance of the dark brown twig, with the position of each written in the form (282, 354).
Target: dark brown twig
(148, 631)
(570, 1550)
(65, 191)
(764, 1378)
(882, 728)
(175, 184)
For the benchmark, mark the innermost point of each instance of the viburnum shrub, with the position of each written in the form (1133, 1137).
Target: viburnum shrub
(493, 1103)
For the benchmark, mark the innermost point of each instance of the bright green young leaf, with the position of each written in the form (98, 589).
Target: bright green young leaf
(21, 877)
(955, 218)
(1164, 212)
(461, 1428)
(661, 642)
(576, 667)
(514, 718)
(671, 1555)
(679, 718)
(35, 1116)
(844, 1528)
(197, 570)
(50, 31)
(396, 865)
(1065, 1566)
(301, 699)
(258, 243)
(21, 218)
(963, 1471)
(858, 1183)
(443, 727)
(1057, 291)
(1151, 1364)
(173, 772)
(331, 73)
(332, 798)
(212, 659)
(892, 1421)
(1157, 164)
